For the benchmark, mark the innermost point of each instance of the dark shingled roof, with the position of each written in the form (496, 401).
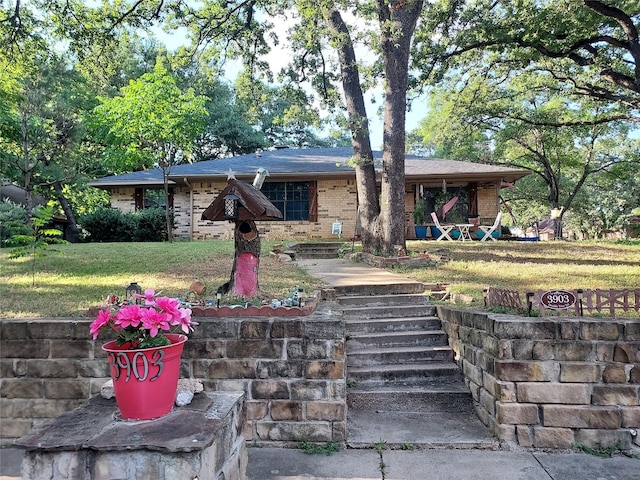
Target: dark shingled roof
(307, 163)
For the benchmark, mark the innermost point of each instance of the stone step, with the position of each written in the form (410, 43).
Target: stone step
(387, 312)
(404, 375)
(420, 430)
(315, 255)
(382, 289)
(396, 339)
(452, 397)
(316, 245)
(402, 324)
(377, 300)
(399, 355)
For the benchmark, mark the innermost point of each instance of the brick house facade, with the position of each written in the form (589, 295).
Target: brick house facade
(314, 187)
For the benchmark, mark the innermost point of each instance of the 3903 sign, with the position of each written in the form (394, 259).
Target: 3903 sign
(138, 366)
(558, 299)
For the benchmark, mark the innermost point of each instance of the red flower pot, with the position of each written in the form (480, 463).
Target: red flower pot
(145, 381)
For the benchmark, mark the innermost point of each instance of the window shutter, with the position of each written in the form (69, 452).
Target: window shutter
(138, 197)
(171, 191)
(473, 199)
(313, 201)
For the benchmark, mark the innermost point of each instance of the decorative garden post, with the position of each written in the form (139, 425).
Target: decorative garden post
(243, 204)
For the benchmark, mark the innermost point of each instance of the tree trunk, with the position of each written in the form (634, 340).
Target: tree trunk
(383, 224)
(368, 206)
(244, 273)
(27, 169)
(165, 180)
(398, 23)
(73, 236)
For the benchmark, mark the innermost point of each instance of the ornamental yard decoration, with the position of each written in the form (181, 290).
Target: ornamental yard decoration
(243, 204)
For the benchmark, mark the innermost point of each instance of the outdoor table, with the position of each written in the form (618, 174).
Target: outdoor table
(464, 231)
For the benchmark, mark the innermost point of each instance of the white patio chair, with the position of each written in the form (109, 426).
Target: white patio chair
(488, 230)
(444, 229)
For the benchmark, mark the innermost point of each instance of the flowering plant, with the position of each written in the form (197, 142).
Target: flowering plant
(140, 326)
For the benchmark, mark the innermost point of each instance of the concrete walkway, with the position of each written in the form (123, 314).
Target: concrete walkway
(340, 272)
(285, 464)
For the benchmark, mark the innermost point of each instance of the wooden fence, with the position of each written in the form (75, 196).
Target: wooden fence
(611, 302)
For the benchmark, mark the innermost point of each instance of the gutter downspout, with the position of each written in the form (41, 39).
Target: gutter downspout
(190, 207)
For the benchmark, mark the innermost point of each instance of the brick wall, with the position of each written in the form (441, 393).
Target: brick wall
(552, 382)
(487, 204)
(337, 200)
(292, 370)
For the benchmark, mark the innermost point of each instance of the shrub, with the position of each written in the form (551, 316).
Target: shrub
(13, 221)
(150, 225)
(107, 225)
(111, 225)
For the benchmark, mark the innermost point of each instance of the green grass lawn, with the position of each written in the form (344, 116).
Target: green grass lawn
(525, 266)
(83, 275)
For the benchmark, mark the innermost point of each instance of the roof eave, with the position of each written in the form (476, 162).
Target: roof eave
(130, 183)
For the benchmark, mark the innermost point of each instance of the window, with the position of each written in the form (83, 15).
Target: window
(296, 200)
(435, 198)
(152, 198)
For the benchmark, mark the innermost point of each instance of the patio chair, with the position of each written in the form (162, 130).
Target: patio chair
(486, 232)
(443, 229)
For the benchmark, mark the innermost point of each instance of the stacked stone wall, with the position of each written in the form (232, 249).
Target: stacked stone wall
(291, 368)
(551, 382)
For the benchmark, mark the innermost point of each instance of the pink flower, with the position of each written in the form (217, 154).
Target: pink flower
(169, 305)
(185, 320)
(129, 316)
(154, 320)
(149, 296)
(144, 326)
(104, 316)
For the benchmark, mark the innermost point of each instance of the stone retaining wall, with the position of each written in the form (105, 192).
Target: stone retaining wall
(551, 382)
(291, 368)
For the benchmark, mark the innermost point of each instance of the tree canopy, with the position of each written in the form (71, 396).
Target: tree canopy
(341, 52)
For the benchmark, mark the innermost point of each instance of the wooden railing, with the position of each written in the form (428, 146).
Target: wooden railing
(606, 301)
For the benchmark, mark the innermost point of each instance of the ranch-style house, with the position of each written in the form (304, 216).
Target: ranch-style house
(313, 188)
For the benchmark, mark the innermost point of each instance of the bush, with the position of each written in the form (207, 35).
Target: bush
(111, 225)
(13, 221)
(107, 225)
(150, 225)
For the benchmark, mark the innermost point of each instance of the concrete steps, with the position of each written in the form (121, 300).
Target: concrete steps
(373, 325)
(388, 311)
(403, 384)
(314, 250)
(406, 355)
(371, 341)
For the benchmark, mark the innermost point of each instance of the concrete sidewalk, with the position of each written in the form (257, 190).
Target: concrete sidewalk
(284, 464)
(437, 464)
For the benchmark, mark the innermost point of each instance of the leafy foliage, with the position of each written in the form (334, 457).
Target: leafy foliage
(38, 240)
(13, 221)
(149, 225)
(111, 225)
(151, 124)
(527, 121)
(106, 225)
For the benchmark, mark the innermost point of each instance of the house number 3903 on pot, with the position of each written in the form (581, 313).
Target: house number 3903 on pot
(138, 365)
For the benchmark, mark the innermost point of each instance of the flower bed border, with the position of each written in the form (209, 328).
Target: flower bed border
(420, 261)
(248, 311)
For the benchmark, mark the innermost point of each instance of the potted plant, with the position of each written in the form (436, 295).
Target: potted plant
(145, 356)
(419, 219)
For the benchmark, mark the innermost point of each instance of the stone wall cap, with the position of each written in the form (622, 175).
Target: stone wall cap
(95, 425)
